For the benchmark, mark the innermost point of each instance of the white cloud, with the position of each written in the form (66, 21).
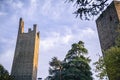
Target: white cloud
(53, 10)
(48, 10)
(88, 32)
(67, 38)
(3, 13)
(51, 41)
(6, 58)
(56, 38)
(17, 5)
(32, 8)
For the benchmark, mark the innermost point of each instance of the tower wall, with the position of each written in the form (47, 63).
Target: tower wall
(25, 61)
(107, 25)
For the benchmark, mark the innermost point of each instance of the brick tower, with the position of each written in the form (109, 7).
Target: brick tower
(25, 61)
(108, 25)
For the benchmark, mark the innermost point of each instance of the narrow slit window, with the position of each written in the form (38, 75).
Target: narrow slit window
(110, 18)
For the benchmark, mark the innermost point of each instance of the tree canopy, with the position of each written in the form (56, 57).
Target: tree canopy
(4, 75)
(75, 65)
(112, 62)
(100, 69)
(109, 65)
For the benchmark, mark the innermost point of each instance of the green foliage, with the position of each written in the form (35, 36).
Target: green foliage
(55, 67)
(87, 8)
(109, 65)
(117, 41)
(112, 61)
(77, 69)
(101, 68)
(4, 75)
(75, 66)
(77, 51)
(55, 63)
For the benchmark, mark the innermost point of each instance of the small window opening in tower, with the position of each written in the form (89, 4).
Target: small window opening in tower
(110, 18)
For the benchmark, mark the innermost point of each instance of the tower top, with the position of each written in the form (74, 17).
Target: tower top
(20, 18)
(21, 27)
(108, 22)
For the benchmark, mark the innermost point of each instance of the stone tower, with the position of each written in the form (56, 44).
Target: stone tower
(108, 25)
(25, 61)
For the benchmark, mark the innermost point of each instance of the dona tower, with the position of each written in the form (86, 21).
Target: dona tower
(108, 25)
(25, 60)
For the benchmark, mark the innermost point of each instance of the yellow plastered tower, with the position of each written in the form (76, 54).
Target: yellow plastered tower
(25, 62)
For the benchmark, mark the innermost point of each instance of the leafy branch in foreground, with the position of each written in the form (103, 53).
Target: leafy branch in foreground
(112, 62)
(100, 69)
(85, 9)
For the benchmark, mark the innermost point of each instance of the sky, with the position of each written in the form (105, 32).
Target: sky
(58, 26)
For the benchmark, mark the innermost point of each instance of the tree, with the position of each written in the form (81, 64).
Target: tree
(78, 51)
(87, 8)
(109, 66)
(112, 62)
(101, 69)
(75, 66)
(4, 75)
(76, 69)
(54, 69)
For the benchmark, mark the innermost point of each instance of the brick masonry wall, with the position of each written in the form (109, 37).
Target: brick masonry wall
(107, 25)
